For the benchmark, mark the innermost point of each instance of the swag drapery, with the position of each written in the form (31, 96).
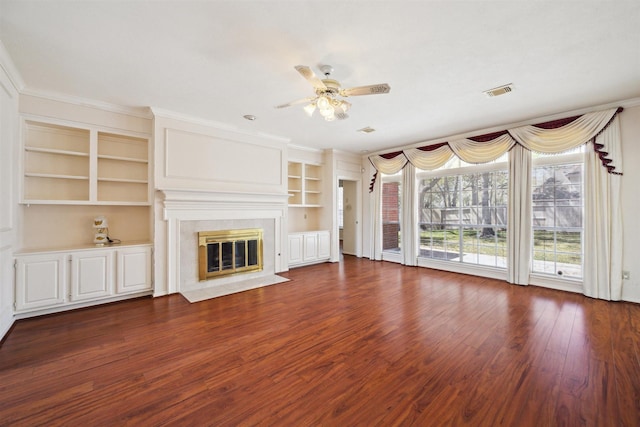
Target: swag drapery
(603, 165)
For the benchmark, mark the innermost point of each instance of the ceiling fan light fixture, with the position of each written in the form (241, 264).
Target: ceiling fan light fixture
(327, 112)
(323, 103)
(328, 92)
(309, 109)
(326, 106)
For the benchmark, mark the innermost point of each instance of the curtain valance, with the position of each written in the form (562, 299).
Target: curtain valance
(482, 152)
(428, 160)
(549, 138)
(389, 163)
(571, 135)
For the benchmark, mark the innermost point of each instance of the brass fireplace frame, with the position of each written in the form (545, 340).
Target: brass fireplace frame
(228, 236)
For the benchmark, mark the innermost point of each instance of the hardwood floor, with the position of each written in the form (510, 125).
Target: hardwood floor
(359, 343)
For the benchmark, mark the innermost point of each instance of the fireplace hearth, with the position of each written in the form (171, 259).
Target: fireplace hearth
(226, 252)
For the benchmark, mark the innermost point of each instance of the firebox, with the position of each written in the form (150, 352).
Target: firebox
(229, 252)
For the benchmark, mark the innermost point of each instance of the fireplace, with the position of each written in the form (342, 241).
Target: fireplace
(226, 252)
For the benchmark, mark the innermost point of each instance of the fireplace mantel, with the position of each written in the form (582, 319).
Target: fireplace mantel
(206, 200)
(182, 205)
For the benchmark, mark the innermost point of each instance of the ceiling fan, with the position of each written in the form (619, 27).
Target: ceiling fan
(328, 92)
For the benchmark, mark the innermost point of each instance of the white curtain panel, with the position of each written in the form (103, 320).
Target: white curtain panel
(574, 134)
(519, 232)
(482, 152)
(388, 166)
(409, 224)
(603, 220)
(429, 160)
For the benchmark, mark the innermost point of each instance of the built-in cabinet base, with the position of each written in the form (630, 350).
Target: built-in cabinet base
(309, 247)
(52, 281)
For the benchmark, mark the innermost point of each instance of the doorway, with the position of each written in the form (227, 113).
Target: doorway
(349, 227)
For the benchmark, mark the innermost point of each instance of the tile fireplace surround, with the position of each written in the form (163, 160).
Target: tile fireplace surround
(185, 213)
(189, 279)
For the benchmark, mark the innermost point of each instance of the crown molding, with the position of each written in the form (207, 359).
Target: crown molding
(303, 148)
(10, 69)
(142, 112)
(341, 152)
(173, 115)
(168, 114)
(627, 103)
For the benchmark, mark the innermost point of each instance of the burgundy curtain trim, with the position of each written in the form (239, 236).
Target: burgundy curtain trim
(488, 137)
(602, 155)
(391, 155)
(555, 124)
(433, 147)
(373, 182)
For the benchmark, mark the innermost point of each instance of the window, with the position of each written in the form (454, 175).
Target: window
(391, 212)
(463, 213)
(558, 214)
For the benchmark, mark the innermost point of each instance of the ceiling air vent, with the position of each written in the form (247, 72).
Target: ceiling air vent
(366, 130)
(500, 90)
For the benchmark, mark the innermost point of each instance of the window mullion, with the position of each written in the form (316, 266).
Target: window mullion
(460, 221)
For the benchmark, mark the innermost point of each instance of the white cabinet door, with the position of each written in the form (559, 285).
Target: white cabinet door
(324, 245)
(40, 281)
(133, 269)
(295, 249)
(91, 274)
(310, 252)
(309, 247)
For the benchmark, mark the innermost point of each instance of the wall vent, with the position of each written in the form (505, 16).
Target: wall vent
(366, 130)
(500, 90)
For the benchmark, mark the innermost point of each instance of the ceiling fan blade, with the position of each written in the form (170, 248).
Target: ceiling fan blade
(340, 110)
(341, 115)
(366, 90)
(308, 74)
(299, 101)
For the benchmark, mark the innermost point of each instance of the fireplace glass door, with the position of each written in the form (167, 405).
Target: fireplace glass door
(229, 252)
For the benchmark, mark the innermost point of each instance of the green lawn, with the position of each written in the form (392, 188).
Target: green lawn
(568, 243)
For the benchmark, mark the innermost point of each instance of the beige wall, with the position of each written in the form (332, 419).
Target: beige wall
(630, 135)
(68, 226)
(304, 219)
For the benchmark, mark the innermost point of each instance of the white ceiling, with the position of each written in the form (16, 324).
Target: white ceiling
(220, 60)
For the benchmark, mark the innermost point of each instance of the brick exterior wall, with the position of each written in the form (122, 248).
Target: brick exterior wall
(390, 215)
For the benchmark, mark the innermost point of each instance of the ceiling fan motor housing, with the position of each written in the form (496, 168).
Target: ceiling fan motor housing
(333, 87)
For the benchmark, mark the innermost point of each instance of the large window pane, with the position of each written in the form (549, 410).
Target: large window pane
(557, 218)
(460, 215)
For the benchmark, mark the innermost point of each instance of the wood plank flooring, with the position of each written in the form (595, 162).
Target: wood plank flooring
(359, 343)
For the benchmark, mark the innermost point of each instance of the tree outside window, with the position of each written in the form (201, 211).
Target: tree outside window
(558, 218)
(463, 217)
